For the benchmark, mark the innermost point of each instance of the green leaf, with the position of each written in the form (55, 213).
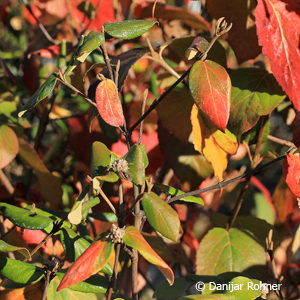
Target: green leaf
(67, 294)
(87, 205)
(138, 161)
(91, 42)
(108, 177)
(95, 284)
(228, 251)
(4, 247)
(254, 93)
(170, 191)
(100, 158)
(19, 271)
(9, 145)
(105, 217)
(161, 216)
(128, 29)
(44, 91)
(74, 246)
(24, 218)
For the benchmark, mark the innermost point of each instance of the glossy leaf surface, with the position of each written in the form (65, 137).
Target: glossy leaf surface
(19, 271)
(291, 173)
(138, 161)
(161, 216)
(222, 251)
(134, 239)
(100, 158)
(108, 103)
(128, 29)
(88, 264)
(9, 145)
(44, 91)
(24, 218)
(278, 29)
(255, 93)
(210, 87)
(91, 42)
(4, 247)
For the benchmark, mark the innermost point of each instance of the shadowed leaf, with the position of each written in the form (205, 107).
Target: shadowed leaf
(291, 173)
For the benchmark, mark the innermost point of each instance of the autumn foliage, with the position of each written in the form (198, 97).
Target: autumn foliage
(149, 149)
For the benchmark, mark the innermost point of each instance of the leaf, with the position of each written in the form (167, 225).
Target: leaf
(128, 29)
(296, 131)
(210, 87)
(242, 36)
(88, 264)
(75, 215)
(19, 271)
(43, 92)
(100, 158)
(255, 93)
(199, 45)
(50, 185)
(291, 173)
(228, 251)
(134, 239)
(205, 143)
(4, 247)
(284, 201)
(174, 110)
(95, 284)
(108, 103)
(138, 161)
(171, 191)
(91, 42)
(9, 145)
(67, 294)
(161, 216)
(278, 29)
(24, 218)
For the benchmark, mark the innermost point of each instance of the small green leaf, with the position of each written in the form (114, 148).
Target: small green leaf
(161, 216)
(105, 217)
(4, 247)
(138, 162)
(128, 29)
(95, 284)
(100, 158)
(19, 271)
(87, 205)
(108, 177)
(24, 218)
(44, 91)
(75, 215)
(170, 191)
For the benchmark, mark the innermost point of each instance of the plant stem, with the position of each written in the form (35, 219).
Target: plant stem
(9, 187)
(280, 141)
(107, 200)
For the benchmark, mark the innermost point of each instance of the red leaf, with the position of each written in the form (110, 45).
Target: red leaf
(89, 263)
(108, 103)
(210, 87)
(291, 173)
(278, 29)
(296, 131)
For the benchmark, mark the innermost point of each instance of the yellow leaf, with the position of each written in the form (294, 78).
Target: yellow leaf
(75, 215)
(205, 142)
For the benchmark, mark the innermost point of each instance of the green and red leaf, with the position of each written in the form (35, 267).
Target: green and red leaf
(134, 239)
(291, 173)
(278, 29)
(108, 103)
(161, 216)
(88, 264)
(9, 145)
(210, 86)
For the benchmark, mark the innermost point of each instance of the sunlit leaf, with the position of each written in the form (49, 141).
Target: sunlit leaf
(9, 145)
(161, 216)
(210, 87)
(100, 158)
(108, 103)
(4, 247)
(128, 29)
(134, 239)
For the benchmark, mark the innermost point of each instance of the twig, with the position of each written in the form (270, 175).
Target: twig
(221, 28)
(107, 200)
(222, 184)
(9, 187)
(43, 29)
(106, 58)
(280, 141)
(143, 111)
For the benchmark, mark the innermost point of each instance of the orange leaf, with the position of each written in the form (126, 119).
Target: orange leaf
(210, 86)
(108, 103)
(134, 239)
(291, 173)
(91, 261)
(205, 143)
